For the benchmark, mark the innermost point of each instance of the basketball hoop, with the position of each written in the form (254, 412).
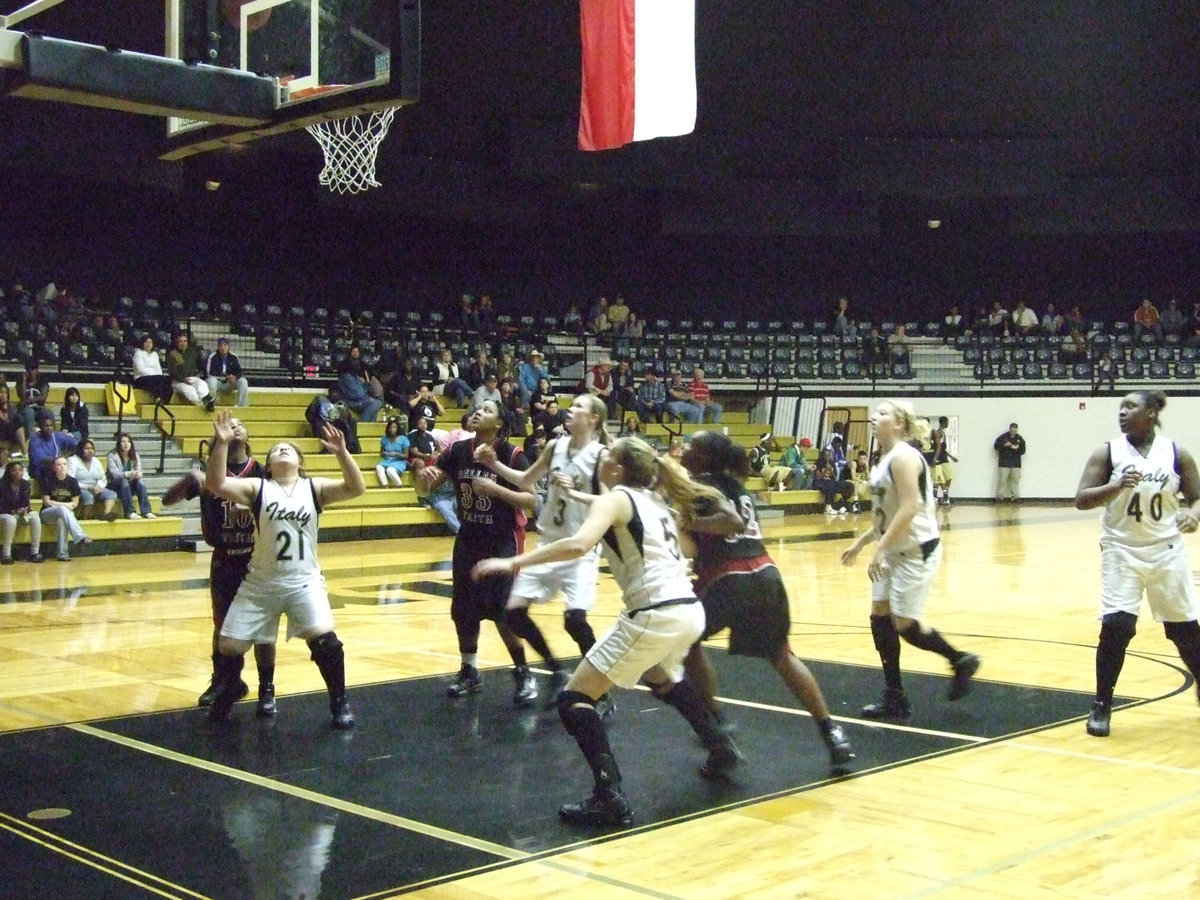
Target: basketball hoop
(350, 145)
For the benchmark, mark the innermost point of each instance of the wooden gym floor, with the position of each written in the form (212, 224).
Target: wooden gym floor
(112, 783)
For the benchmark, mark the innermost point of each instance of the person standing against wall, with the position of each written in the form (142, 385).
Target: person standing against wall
(1011, 447)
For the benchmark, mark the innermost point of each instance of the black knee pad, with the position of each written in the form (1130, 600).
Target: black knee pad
(577, 626)
(1182, 634)
(574, 706)
(1117, 629)
(327, 646)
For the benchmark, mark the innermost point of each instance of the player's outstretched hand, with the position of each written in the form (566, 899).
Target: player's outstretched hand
(332, 439)
(223, 426)
(1186, 520)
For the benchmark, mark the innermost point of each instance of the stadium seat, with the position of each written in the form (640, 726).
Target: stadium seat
(1160, 369)
(1082, 371)
(1056, 370)
(1135, 370)
(1033, 371)
(1008, 370)
(1185, 369)
(829, 371)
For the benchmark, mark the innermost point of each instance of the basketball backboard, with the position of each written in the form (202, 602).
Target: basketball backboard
(331, 57)
(231, 71)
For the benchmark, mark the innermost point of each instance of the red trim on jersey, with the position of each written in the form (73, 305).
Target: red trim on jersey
(745, 566)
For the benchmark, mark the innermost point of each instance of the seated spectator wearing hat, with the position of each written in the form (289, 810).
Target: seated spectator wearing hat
(96, 498)
(710, 409)
(651, 398)
(599, 383)
(760, 463)
(148, 373)
(486, 391)
(60, 499)
(185, 367)
(46, 444)
(530, 375)
(15, 510)
(223, 373)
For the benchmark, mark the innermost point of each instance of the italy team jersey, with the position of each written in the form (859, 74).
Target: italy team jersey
(924, 527)
(286, 546)
(1144, 514)
(644, 554)
(561, 516)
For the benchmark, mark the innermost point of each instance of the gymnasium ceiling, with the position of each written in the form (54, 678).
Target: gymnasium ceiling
(815, 118)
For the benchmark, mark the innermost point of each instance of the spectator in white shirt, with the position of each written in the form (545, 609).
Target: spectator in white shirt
(148, 371)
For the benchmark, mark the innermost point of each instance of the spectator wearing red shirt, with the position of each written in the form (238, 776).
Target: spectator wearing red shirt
(702, 397)
(1145, 319)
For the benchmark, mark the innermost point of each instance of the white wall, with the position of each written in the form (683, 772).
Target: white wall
(1060, 433)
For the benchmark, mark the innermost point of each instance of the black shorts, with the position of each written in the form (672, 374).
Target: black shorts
(485, 599)
(754, 607)
(225, 576)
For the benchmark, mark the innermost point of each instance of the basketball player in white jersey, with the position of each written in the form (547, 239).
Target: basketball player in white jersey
(661, 620)
(907, 558)
(1138, 478)
(571, 462)
(284, 575)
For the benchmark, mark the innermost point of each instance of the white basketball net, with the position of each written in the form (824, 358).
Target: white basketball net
(350, 145)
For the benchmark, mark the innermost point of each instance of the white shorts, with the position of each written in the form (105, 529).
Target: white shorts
(1162, 571)
(906, 580)
(576, 578)
(254, 614)
(640, 641)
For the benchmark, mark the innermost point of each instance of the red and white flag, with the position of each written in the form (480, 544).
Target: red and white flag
(639, 71)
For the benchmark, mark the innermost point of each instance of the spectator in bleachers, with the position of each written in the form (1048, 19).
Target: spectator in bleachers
(1173, 322)
(760, 463)
(843, 325)
(799, 471)
(460, 433)
(73, 417)
(651, 398)
(573, 322)
(1052, 322)
(1025, 320)
(837, 456)
(1075, 348)
(96, 498)
(148, 373)
(424, 404)
(599, 383)
(512, 413)
(393, 453)
(632, 427)
(223, 371)
(826, 480)
(676, 447)
(710, 409)
(533, 447)
(468, 319)
(354, 381)
(530, 374)
(875, 353)
(12, 431)
(447, 381)
(597, 316)
(15, 510)
(477, 369)
(505, 367)
(34, 388)
(1146, 320)
(543, 395)
(1194, 322)
(635, 328)
(485, 314)
(618, 315)
(1073, 319)
(898, 348)
(623, 394)
(422, 447)
(1105, 370)
(46, 445)
(999, 322)
(553, 420)
(185, 368)
(679, 400)
(125, 477)
(487, 391)
(330, 409)
(953, 324)
(403, 386)
(858, 473)
(60, 499)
